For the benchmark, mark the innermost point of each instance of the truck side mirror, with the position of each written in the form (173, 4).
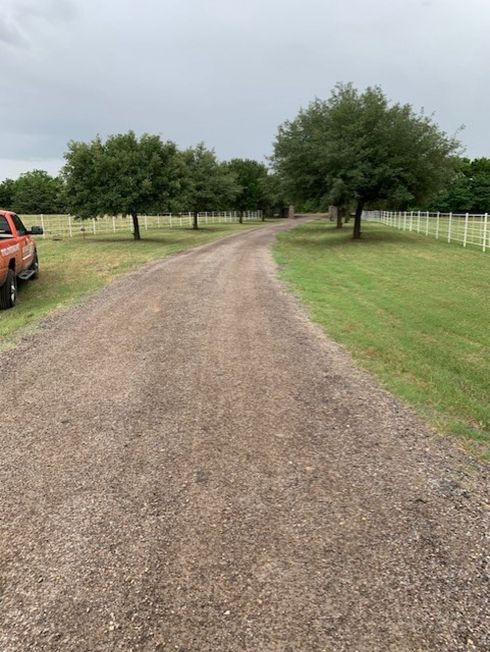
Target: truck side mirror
(36, 230)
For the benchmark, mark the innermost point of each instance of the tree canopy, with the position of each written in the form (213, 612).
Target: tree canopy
(207, 183)
(252, 178)
(357, 148)
(7, 194)
(33, 192)
(469, 189)
(124, 175)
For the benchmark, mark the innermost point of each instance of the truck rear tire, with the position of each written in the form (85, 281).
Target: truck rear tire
(8, 291)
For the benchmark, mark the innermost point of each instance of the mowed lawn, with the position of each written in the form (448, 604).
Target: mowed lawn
(414, 311)
(73, 268)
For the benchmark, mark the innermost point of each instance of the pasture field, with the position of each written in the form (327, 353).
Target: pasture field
(414, 311)
(71, 268)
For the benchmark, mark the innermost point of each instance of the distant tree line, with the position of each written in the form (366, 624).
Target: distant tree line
(33, 192)
(355, 150)
(468, 190)
(131, 175)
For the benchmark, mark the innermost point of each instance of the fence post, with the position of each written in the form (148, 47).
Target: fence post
(93, 226)
(404, 220)
(69, 227)
(437, 225)
(449, 227)
(411, 220)
(485, 222)
(465, 237)
(418, 222)
(114, 223)
(42, 224)
(427, 224)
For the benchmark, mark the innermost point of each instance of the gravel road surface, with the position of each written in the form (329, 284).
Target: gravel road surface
(188, 464)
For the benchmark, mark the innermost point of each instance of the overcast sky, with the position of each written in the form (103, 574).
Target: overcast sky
(227, 72)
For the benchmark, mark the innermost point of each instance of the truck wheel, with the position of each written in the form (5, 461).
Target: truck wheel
(35, 266)
(8, 291)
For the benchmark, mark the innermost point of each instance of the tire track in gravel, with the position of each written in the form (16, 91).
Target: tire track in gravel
(188, 464)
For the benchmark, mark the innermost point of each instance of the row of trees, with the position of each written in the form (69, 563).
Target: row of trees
(33, 192)
(131, 176)
(469, 190)
(354, 150)
(357, 150)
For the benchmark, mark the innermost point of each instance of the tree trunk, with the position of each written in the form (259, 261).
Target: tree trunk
(136, 226)
(342, 216)
(357, 220)
(240, 217)
(195, 222)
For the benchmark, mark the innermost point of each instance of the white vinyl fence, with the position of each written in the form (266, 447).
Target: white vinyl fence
(464, 228)
(66, 226)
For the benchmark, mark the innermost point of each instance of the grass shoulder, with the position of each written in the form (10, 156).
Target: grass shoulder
(410, 309)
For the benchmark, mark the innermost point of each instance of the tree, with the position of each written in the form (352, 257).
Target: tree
(469, 189)
(276, 195)
(208, 184)
(125, 175)
(356, 147)
(252, 178)
(37, 192)
(7, 194)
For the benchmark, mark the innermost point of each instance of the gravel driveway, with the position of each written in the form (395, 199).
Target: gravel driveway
(188, 464)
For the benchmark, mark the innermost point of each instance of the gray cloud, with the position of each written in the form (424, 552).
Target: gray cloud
(228, 72)
(9, 33)
(16, 17)
(51, 10)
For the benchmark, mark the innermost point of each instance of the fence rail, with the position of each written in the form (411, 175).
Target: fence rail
(463, 228)
(66, 226)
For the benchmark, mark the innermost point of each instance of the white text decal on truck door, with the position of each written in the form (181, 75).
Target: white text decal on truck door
(10, 250)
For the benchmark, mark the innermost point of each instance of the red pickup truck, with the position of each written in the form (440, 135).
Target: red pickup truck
(18, 256)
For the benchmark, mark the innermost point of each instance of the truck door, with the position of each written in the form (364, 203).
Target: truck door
(27, 248)
(5, 235)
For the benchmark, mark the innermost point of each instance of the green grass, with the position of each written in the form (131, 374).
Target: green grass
(74, 268)
(413, 310)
